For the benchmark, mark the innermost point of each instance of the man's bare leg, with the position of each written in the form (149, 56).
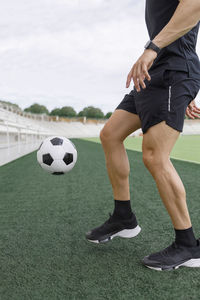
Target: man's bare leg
(119, 126)
(122, 222)
(157, 145)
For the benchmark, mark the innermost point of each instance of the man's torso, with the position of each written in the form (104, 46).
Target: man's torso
(181, 54)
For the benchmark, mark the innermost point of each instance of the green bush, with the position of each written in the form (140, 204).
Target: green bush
(108, 115)
(55, 112)
(67, 111)
(91, 112)
(37, 109)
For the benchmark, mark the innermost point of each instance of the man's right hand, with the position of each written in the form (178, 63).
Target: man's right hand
(193, 111)
(139, 71)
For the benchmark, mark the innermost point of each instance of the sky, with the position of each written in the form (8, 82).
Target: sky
(69, 52)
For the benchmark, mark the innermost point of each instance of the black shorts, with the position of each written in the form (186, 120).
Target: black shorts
(165, 98)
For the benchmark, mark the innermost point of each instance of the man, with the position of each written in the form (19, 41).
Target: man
(166, 80)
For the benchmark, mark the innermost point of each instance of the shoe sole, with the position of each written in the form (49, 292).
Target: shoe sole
(125, 233)
(191, 263)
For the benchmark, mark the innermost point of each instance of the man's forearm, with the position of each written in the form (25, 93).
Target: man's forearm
(186, 16)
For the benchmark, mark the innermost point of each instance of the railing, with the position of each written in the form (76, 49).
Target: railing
(17, 140)
(24, 144)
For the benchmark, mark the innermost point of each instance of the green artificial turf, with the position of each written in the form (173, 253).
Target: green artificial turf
(187, 147)
(43, 220)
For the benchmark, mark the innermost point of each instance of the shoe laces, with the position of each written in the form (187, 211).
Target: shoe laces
(167, 251)
(110, 219)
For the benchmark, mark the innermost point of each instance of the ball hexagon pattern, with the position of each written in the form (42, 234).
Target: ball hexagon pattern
(57, 155)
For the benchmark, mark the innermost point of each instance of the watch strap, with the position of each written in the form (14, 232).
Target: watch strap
(151, 45)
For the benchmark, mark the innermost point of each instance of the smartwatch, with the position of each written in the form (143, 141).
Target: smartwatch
(151, 45)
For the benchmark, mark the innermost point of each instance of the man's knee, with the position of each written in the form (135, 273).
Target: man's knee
(107, 135)
(153, 159)
(104, 134)
(148, 158)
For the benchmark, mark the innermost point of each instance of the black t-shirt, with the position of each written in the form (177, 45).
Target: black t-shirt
(181, 54)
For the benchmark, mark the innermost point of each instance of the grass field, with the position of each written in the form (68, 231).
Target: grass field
(187, 147)
(43, 220)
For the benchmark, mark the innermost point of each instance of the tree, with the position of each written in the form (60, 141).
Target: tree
(67, 111)
(37, 109)
(108, 115)
(81, 113)
(91, 112)
(55, 112)
(10, 104)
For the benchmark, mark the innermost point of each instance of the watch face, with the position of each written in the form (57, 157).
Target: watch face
(147, 44)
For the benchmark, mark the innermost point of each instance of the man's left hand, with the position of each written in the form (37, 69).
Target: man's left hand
(140, 69)
(192, 111)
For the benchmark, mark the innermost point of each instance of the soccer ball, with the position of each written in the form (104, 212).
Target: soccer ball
(57, 155)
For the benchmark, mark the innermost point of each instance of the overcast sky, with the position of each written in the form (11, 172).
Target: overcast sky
(69, 52)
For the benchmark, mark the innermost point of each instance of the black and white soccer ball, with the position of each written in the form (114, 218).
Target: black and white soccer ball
(57, 155)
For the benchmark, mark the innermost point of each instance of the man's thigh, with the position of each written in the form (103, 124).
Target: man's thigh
(160, 139)
(121, 124)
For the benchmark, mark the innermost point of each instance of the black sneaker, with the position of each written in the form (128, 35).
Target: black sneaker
(112, 228)
(173, 257)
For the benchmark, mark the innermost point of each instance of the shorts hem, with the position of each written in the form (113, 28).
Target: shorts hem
(122, 108)
(159, 121)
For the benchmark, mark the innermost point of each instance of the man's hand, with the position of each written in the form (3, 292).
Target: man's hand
(193, 111)
(140, 69)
